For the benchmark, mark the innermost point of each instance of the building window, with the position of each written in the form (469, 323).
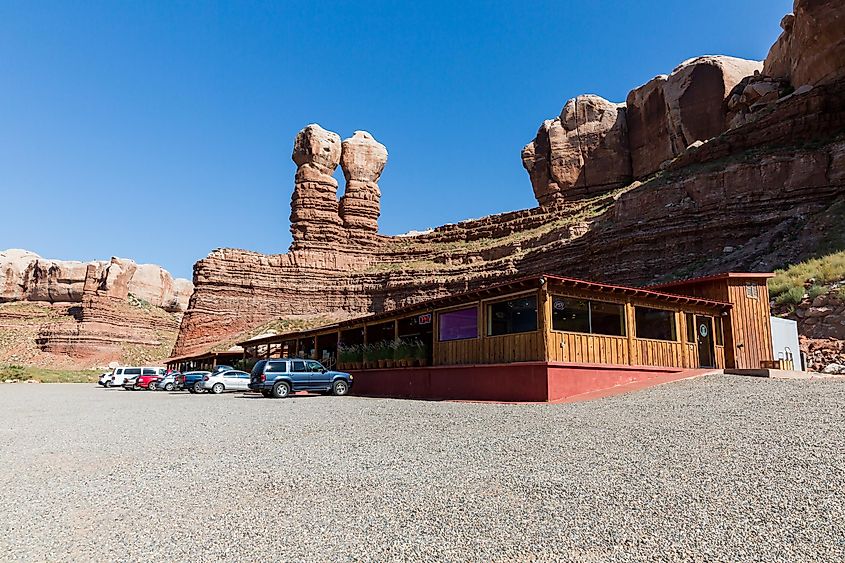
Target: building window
(592, 317)
(458, 325)
(717, 328)
(512, 316)
(751, 290)
(690, 319)
(384, 332)
(655, 324)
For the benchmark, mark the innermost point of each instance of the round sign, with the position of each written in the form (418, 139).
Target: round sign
(702, 330)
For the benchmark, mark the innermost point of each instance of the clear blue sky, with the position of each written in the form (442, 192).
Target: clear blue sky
(159, 131)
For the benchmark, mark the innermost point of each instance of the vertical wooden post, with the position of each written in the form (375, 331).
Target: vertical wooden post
(544, 322)
(630, 330)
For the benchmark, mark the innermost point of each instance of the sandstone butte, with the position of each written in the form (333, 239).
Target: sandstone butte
(82, 314)
(723, 164)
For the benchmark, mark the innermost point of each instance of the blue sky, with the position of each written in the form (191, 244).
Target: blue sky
(159, 131)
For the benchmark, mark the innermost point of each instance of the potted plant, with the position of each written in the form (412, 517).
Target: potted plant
(419, 353)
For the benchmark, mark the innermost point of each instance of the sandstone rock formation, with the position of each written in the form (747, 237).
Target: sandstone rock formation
(314, 217)
(695, 95)
(649, 134)
(362, 159)
(108, 326)
(811, 49)
(61, 312)
(669, 113)
(580, 153)
(748, 198)
(26, 276)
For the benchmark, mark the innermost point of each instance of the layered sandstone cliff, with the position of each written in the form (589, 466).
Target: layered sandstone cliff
(65, 313)
(706, 169)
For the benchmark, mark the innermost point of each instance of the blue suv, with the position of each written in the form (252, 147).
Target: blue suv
(279, 378)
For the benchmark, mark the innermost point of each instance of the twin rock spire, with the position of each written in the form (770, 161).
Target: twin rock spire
(317, 218)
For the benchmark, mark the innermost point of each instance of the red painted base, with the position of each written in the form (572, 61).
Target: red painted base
(536, 382)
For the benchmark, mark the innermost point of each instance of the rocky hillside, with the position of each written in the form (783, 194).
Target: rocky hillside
(70, 314)
(813, 294)
(720, 164)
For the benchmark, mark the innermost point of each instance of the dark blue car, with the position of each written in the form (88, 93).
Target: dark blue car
(192, 381)
(279, 378)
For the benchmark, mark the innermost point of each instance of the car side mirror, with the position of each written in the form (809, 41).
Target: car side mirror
(322, 370)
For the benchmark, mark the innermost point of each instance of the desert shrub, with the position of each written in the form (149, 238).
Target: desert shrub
(815, 290)
(792, 296)
(823, 271)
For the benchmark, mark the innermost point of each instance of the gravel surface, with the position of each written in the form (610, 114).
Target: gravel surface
(716, 468)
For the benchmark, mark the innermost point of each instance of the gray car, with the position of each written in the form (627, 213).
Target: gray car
(230, 380)
(167, 383)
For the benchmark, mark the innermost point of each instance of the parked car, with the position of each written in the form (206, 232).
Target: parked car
(231, 380)
(192, 381)
(118, 376)
(280, 378)
(105, 379)
(168, 382)
(130, 376)
(149, 378)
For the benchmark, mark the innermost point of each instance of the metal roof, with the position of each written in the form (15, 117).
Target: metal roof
(714, 277)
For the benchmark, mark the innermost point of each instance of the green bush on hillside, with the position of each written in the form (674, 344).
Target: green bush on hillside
(823, 271)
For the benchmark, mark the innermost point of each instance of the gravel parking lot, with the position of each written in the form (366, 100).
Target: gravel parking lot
(717, 468)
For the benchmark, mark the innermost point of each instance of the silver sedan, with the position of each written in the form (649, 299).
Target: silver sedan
(231, 380)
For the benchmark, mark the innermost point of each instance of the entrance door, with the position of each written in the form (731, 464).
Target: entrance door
(704, 336)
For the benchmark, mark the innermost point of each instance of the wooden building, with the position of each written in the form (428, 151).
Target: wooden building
(553, 322)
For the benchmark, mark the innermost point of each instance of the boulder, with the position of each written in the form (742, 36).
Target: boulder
(314, 217)
(581, 153)
(811, 48)
(362, 160)
(669, 113)
(695, 96)
(648, 127)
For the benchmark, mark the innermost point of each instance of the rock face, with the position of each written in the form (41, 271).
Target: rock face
(314, 217)
(26, 276)
(87, 312)
(695, 95)
(669, 113)
(811, 49)
(580, 153)
(649, 135)
(362, 160)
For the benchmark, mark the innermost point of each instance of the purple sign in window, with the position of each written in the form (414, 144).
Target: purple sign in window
(458, 325)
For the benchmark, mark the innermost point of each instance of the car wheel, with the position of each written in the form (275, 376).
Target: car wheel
(108, 384)
(151, 386)
(217, 388)
(168, 387)
(198, 387)
(340, 388)
(281, 390)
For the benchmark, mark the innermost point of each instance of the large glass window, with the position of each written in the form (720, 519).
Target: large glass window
(384, 332)
(656, 324)
(570, 315)
(458, 325)
(593, 317)
(512, 316)
(607, 318)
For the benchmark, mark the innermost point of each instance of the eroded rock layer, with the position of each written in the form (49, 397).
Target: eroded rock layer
(76, 314)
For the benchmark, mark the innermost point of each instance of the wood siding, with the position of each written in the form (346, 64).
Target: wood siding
(576, 347)
(750, 325)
